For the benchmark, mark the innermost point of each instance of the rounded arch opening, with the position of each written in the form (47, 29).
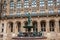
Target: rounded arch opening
(52, 25)
(43, 25)
(34, 23)
(19, 26)
(10, 26)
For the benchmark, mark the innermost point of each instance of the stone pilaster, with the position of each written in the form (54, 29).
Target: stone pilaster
(4, 31)
(5, 26)
(56, 26)
(14, 27)
(22, 28)
(39, 26)
(8, 28)
(47, 26)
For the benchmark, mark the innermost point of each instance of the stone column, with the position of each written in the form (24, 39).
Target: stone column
(4, 31)
(39, 26)
(22, 28)
(47, 26)
(5, 26)
(14, 27)
(56, 26)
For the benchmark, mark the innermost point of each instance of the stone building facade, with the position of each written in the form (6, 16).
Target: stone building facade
(45, 16)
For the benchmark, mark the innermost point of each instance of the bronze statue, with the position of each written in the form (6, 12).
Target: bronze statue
(29, 19)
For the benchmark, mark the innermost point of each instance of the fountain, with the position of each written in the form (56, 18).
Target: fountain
(29, 37)
(29, 26)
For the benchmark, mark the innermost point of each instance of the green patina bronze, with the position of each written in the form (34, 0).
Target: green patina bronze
(29, 19)
(29, 26)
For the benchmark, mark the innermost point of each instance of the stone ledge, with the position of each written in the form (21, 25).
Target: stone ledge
(29, 38)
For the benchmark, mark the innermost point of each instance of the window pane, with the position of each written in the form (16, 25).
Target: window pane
(43, 26)
(18, 12)
(58, 10)
(11, 13)
(26, 3)
(42, 11)
(58, 2)
(26, 0)
(51, 24)
(33, 3)
(5, 4)
(50, 3)
(18, 5)
(51, 11)
(41, 3)
(11, 4)
(33, 11)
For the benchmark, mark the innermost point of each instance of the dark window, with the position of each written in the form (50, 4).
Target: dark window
(43, 26)
(59, 26)
(11, 27)
(51, 24)
(2, 24)
(19, 25)
(35, 26)
(2, 27)
(11, 4)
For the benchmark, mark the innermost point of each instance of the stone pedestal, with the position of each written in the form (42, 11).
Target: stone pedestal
(29, 38)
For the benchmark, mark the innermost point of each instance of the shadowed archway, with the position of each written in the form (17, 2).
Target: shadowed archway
(11, 26)
(19, 26)
(43, 25)
(34, 23)
(52, 24)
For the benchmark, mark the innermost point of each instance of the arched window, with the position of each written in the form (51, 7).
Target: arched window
(26, 3)
(35, 26)
(42, 4)
(43, 26)
(11, 26)
(33, 3)
(5, 4)
(18, 5)
(51, 24)
(19, 26)
(50, 2)
(11, 4)
(57, 2)
(2, 27)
